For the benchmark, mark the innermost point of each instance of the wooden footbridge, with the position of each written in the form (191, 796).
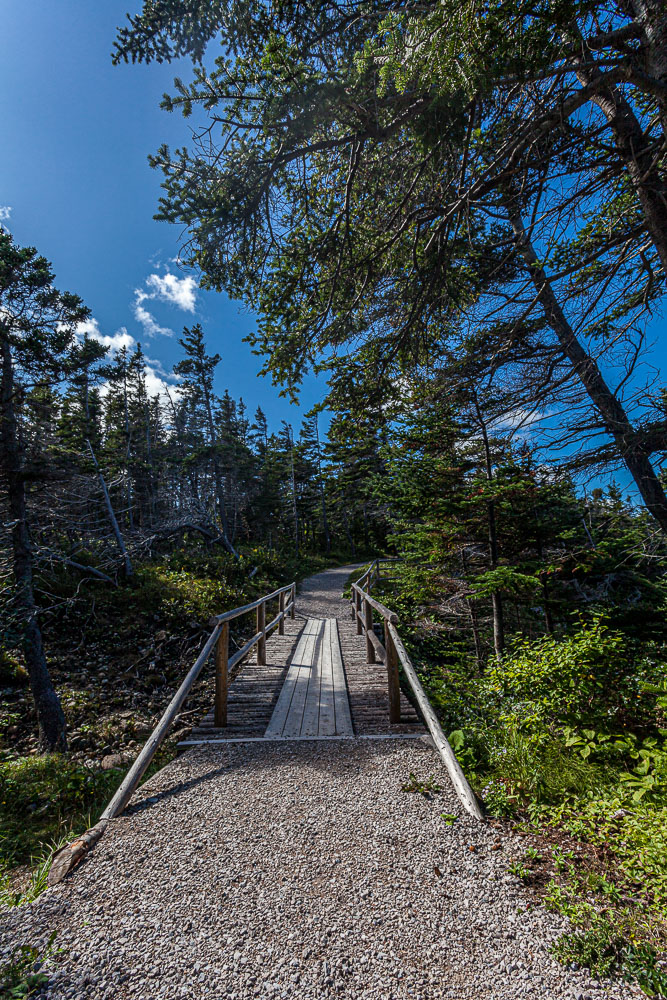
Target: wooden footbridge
(312, 678)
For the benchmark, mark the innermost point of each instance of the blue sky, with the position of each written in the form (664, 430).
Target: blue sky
(76, 133)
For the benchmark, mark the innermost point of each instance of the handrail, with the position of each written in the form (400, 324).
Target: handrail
(227, 616)
(393, 651)
(384, 611)
(71, 854)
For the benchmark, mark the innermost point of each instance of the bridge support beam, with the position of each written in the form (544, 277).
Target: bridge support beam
(368, 618)
(393, 683)
(221, 676)
(261, 627)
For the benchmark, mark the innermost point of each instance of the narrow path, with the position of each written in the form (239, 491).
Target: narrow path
(313, 700)
(299, 870)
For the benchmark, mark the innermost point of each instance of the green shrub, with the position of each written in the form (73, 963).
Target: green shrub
(588, 676)
(12, 674)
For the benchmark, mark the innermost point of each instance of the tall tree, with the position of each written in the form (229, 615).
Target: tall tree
(197, 370)
(37, 328)
(433, 112)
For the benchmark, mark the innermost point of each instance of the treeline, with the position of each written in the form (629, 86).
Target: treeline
(99, 476)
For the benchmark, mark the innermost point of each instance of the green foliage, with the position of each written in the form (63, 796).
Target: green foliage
(43, 798)
(26, 971)
(37, 881)
(426, 788)
(593, 675)
(12, 673)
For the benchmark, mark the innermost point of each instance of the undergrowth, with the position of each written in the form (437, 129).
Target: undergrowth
(116, 655)
(27, 970)
(565, 739)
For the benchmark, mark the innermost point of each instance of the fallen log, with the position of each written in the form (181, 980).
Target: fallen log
(69, 856)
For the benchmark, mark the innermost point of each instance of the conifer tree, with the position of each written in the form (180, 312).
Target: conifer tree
(37, 328)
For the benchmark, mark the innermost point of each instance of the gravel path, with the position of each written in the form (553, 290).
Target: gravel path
(299, 870)
(320, 596)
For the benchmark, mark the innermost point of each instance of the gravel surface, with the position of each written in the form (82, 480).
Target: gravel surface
(300, 870)
(320, 595)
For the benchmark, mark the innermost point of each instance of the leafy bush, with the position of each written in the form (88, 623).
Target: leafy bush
(588, 676)
(12, 674)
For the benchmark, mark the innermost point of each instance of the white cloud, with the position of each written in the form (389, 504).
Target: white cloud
(158, 381)
(5, 212)
(115, 341)
(179, 292)
(521, 419)
(169, 288)
(157, 385)
(151, 326)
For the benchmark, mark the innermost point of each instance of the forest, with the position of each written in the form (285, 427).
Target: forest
(456, 214)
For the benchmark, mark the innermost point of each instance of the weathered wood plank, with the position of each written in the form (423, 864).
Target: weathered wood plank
(301, 662)
(311, 715)
(458, 778)
(294, 719)
(277, 722)
(341, 700)
(327, 712)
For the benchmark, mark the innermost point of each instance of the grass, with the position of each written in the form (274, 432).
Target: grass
(44, 800)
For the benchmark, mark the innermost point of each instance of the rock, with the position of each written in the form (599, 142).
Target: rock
(110, 761)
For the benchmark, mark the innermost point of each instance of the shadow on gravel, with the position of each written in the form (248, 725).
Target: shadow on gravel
(344, 757)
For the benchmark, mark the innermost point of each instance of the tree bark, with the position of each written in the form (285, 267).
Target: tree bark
(639, 156)
(217, 473)
(496, 598)
(325, 520)
(50, 717)
(614, 417)
(294, 506)
(651, 15)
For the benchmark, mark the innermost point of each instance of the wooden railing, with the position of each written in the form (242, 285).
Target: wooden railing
(72, 853)
(224, 663)
(391, 653)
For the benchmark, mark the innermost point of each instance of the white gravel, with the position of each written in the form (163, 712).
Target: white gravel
(302, 870)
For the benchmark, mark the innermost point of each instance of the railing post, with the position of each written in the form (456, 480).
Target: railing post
(221, 676)
(261, 627)
(293, 601)
(368, 617)
(357, 611)
(281, 610)
(393, 684)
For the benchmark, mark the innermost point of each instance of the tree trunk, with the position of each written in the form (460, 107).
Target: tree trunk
(652, 17)
(639, 157)
(325, 520)
(496, 598)
(217, 473)
(128, 442)
(50, 717)
(472, 610)
(614, 417)
(348, 533)
(294, 506)
(127, 564)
